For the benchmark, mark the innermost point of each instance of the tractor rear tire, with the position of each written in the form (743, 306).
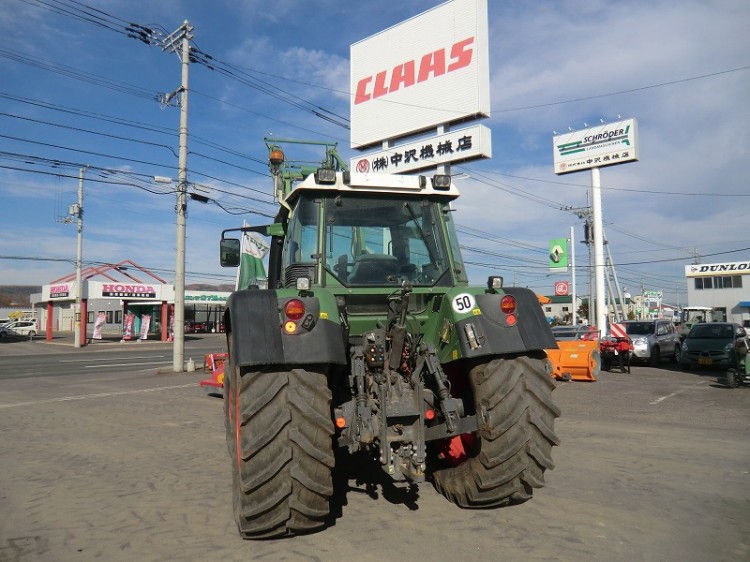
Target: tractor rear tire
(279, 436)
(512, 448)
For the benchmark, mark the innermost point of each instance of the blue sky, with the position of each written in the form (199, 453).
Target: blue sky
(75, 91)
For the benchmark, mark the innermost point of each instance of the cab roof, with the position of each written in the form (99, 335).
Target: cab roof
(353, 182)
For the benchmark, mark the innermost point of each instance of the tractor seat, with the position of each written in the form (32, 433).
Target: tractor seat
(374, 269)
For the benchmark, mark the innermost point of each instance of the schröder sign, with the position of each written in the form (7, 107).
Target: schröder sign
(426, 71)
(604, 145)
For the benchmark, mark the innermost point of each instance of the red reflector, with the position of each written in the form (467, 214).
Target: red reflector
(508, 304)
(429, 414)
(341, 423)
(511, 319)
(294, 309)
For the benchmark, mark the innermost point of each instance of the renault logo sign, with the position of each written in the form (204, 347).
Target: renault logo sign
(558, 254)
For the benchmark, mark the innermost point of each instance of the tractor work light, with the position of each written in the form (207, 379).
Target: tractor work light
(276, 157)
(494, 282)
(325, 176)
(441, 182)
(303, 284)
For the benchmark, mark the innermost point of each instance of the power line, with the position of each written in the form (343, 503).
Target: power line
(607, 188)
(64, 70)
(145, 33)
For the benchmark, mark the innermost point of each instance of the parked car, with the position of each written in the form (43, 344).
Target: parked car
(18, 328)
(712, 344)
(578, 332)
(653, 340)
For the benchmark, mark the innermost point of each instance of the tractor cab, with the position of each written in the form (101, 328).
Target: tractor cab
(343, 232)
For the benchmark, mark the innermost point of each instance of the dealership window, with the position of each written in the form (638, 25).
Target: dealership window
(724, 282)
(719, 282)
(90, 315)
(547, 309)
(118, 316)
(109, 317)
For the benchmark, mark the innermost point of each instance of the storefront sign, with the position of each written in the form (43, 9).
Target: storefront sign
(730, 268)
(561, 288)
(454, 147)
(604, 145)
(59, 291)
(206, 297)
(428, 70)
(558, 254)
(128, 291)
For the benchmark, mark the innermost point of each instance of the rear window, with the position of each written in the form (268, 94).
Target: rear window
(712, 331)
(639, 328)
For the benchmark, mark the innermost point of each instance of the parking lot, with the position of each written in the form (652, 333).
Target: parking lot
(133, 466)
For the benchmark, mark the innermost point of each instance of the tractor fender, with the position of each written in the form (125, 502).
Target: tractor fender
(261, 336)
(491, 331)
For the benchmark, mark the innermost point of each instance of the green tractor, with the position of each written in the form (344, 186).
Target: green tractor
(370, 339)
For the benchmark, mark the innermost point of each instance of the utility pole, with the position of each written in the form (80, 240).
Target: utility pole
(585, 213)
(79, 258)
(179, 42)
(179, 270)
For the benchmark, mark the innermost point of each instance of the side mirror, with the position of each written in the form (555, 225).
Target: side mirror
(275, 229)
(229, 252)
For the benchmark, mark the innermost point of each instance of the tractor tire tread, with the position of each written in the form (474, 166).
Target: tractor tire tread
(513, 397)
(282, 474)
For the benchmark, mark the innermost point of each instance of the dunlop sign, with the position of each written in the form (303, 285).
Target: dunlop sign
(605, 145)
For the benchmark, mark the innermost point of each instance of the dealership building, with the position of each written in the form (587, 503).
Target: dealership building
(725, 287)
(124, 301)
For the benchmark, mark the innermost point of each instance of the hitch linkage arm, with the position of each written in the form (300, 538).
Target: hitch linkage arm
(364, 422)
(452, 408)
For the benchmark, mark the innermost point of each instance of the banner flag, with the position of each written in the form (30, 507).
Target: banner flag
(129, 317)
(145, 324)
(251, 270)
(101, 318)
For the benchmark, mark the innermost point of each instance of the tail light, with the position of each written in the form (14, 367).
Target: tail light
(508, 304)
(294, 309)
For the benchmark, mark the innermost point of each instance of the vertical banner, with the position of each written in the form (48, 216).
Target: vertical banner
(145, 325)
(171, 325)
(128, 326)
(558, 254)
(251, 271)
(101, 318)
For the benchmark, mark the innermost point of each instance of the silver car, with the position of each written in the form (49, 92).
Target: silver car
(654, 340)
(18, 328)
